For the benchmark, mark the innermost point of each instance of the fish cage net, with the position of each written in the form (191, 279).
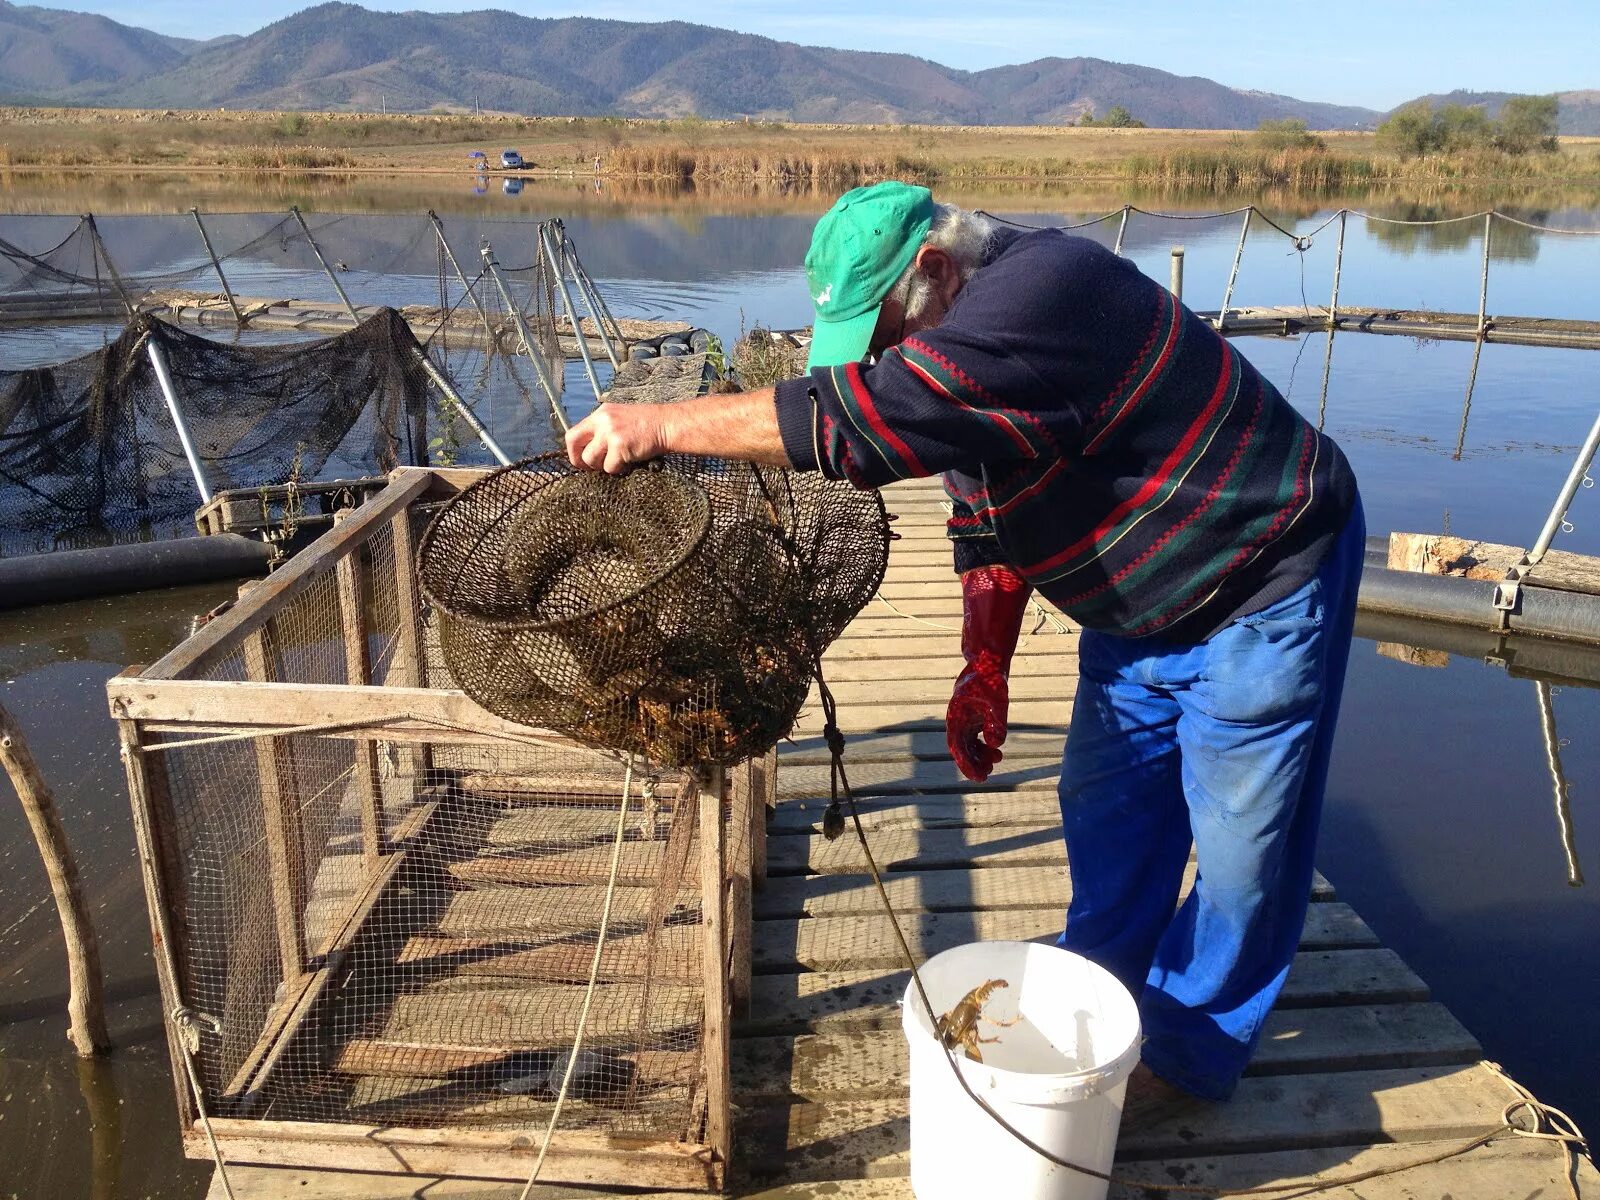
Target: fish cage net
(392, 922)
(89, 449)
(90, 455)
(677, 612)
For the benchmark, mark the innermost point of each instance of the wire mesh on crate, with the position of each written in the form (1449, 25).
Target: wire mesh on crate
(388, 913)
(457, 1005)
(677, 612)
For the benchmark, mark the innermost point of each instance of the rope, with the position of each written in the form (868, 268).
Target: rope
(189, 1023)
(1548, 1124)
(594, 978)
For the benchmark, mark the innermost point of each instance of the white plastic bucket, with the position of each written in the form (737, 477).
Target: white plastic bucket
(1058, 1074)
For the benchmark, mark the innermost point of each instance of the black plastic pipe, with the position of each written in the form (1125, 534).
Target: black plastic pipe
(110, 570)
(1574, 616)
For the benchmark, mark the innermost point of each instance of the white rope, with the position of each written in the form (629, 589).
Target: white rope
(594, 977)
(189, 1023)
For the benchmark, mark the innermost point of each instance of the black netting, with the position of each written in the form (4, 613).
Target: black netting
(676, 612)
(89, 454)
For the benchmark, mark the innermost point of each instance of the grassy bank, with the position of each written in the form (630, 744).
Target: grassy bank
(733, 154)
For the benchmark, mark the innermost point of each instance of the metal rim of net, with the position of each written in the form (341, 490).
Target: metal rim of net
(445, 597)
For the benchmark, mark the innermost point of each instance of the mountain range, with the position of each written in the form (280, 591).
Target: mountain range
(342, 56)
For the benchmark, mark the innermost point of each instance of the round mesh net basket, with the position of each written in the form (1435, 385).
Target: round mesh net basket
(675, 612)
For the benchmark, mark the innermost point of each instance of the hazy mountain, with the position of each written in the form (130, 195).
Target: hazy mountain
(1579, 115)
(46, 52)
(341, 56)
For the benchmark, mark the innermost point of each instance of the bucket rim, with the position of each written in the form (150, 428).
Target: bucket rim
(1024, 1087)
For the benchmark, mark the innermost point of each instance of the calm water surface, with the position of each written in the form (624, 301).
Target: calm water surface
(1440, 826)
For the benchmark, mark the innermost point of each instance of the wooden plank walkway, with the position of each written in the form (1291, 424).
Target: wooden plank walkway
(1358, 1070)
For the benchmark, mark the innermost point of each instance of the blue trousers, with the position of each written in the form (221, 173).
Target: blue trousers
(1222, 745)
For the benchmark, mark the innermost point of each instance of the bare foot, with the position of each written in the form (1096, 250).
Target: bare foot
(1150, 1100)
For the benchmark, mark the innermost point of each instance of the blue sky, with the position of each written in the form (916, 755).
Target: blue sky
(1353, 52)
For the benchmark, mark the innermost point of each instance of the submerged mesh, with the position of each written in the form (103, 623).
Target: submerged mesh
(89, 454)
(676, 612)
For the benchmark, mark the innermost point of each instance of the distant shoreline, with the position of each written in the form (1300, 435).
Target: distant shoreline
(724, 153)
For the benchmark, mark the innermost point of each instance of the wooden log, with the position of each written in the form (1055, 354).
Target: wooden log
(673, 956)
(470, 1011)
(358, 673)
(1506, 1167)
(382, 1057)
(280, 816)
(86, 1015)
(742, 805)
(166, 898)
(575, 1156)
(201, 706)
(224, 635)
(714, 967)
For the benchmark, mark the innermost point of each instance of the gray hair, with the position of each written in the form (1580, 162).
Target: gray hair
(967, 237)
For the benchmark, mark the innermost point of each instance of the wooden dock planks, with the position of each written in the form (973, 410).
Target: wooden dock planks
(1357, 1070)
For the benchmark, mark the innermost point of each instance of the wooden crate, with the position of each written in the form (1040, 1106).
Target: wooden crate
(367, 778)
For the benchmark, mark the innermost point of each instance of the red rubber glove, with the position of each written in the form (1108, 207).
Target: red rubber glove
(993, 600)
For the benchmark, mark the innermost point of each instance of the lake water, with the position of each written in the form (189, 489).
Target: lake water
(1440, 825)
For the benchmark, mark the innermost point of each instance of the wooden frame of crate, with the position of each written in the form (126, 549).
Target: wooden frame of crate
(378, 713)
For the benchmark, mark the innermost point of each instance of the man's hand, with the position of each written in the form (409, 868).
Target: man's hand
(993, 600)
(979, 705)
(616, 437)
(743, 426)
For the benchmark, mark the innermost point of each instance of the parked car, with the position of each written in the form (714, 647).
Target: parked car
(511, 160)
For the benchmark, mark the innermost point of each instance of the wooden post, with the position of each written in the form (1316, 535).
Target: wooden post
(412, 658)
(714, 965)
(358, 673)
(155, 825)
(281, 820)
(86, 1016)
(744, 801)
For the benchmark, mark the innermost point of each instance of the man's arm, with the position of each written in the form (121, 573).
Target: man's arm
(742, 426)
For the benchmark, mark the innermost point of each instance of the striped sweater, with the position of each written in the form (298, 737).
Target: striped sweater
(1094, 434)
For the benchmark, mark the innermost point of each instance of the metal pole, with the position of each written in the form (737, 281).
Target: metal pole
(488, 326)
(588, 281)
(1122, 227)
(1483, 290)
(1558, 779)
(1466, 405)
(158, 360)
(442, 382)
(216, 263)
(1233, 276)
(528, 347)
(1338, 270)
(1176, 285)
(1575, 479)
(332, 278)
(589, 300)
(572, 313)
(116, 279)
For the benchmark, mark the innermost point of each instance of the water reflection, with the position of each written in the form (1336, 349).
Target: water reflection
(1549, 664)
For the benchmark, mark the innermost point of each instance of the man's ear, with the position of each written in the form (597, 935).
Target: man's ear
(939, 269)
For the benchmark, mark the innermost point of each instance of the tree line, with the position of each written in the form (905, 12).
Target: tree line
(1526, 125)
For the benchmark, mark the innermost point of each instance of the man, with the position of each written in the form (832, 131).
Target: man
(1101, 445)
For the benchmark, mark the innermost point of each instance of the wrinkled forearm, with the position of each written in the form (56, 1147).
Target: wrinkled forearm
(741, 426)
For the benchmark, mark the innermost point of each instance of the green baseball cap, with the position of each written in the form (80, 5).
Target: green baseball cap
(860, 248)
